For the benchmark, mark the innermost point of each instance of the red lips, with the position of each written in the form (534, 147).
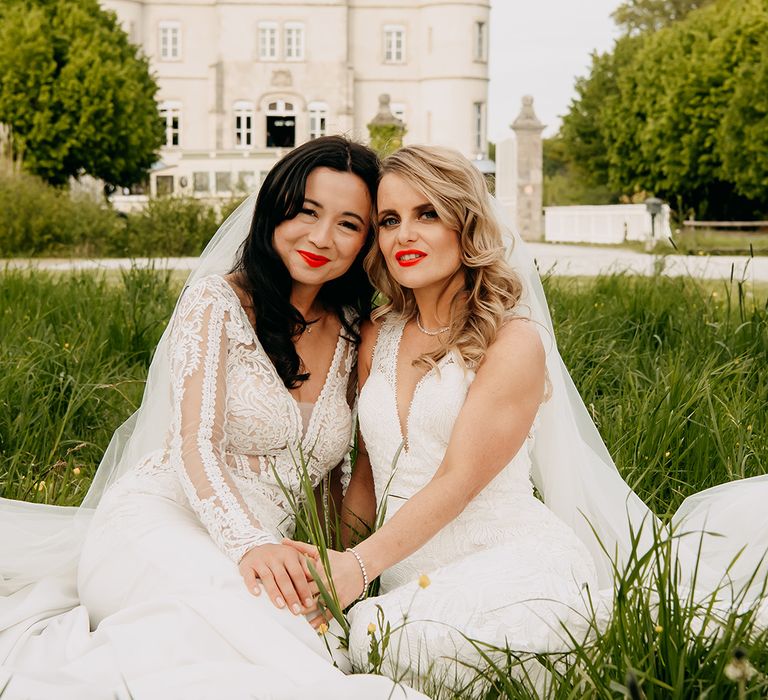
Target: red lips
(411, 261)
(312, 259)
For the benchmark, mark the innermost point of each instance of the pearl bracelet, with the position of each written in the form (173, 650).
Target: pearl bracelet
(362, 570)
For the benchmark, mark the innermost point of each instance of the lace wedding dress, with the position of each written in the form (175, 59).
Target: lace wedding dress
(506, 571)
(157, 579)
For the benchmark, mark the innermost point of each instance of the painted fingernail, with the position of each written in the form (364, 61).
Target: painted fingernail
(256, 590)
(296, 608)
(308, 602)
(279, 602)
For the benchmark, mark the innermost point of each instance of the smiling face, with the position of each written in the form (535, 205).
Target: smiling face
(322, 241)
(419, 249)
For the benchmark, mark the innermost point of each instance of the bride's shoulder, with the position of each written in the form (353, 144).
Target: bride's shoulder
(220, 289)
(517, 341)
(369, 336)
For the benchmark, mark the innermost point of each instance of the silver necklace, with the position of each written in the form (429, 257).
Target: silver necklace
(438, 331)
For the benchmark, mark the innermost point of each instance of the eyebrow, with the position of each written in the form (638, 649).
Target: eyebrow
(419, 208)
(344, 213)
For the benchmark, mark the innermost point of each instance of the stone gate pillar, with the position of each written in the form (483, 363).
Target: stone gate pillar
(530, 172)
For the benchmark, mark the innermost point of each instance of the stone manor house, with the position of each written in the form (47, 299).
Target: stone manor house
(243, 81)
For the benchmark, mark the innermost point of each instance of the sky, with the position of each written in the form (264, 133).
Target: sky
(539, 48)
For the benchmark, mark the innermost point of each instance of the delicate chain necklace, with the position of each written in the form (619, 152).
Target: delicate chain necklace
(310, 324)
(438, 331)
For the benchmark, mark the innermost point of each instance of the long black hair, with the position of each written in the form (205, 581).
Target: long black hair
(264, 277)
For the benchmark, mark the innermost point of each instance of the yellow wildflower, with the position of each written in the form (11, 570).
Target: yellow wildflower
(76, 471)
(658, 629)
(40, 485)
(667, 453)
(322, 629)
(371, 628)
(424, 581)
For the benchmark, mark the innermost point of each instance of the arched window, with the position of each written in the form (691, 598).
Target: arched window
(281, 124)
(244, 116)
(318, 116)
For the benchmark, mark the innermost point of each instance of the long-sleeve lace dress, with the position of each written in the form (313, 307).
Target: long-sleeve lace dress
(158, 581)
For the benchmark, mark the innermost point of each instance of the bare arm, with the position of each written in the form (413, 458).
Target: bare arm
(491, 428)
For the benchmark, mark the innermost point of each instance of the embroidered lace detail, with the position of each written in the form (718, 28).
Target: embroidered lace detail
(236, 432)
(505, 571)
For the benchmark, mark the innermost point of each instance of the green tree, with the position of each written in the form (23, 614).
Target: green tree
(669, 127)
(681, 112)
(641, 16)
(566, 184)
(76, 94)
(385, 138)
(585, 130)
(743, 133)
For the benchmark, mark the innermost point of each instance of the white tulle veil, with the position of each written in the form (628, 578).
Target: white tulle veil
(38, 541)
(719, 536)
(572, 469)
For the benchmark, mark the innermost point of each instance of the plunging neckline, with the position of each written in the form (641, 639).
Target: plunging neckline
(404, 429)
(333, 367)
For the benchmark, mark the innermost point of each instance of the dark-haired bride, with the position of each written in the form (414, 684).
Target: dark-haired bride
(180, 573)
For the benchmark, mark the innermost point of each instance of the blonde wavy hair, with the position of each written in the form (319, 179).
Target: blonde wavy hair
(459, 194)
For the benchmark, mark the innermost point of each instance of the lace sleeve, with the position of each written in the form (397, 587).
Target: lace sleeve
(198, 347)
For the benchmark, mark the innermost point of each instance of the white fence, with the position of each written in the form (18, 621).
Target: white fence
(607, 223)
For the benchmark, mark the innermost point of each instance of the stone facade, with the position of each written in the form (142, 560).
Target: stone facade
(243, 81)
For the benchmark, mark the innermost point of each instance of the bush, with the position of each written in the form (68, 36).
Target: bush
(174, 226)
(37, 219)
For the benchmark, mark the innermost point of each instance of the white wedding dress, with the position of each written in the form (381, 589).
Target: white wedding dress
(507, 571)
(163, 612)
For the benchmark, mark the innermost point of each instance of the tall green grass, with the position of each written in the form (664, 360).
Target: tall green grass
(74, 351)
(674, 374)
(672, 370)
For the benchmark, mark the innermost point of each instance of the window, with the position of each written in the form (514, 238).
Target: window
(170, 41)
(201, 182)
(318, 116)
(480, 42)
(294, 41)
(164, 185)
(268, 41)
(246, 181)
(281, 125)
(170, 113)
(478, 127)
(223, 182)
(244, 116)
(394, 44)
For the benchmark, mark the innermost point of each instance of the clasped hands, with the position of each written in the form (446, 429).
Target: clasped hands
(283, 572)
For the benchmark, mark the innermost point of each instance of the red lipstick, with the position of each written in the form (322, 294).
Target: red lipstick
(410, 257)
(312, 259)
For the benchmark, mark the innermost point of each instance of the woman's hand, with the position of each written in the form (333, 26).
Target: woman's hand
(284, 573)
(345, 570)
